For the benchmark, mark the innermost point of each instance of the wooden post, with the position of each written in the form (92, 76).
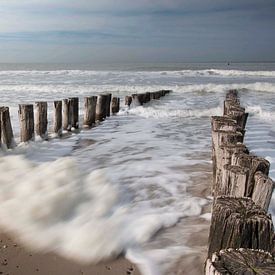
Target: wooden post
(239, 223)
(234, 181)
(220, 138)
(101, 107)
(57, 118)
(41, 120)
(240, 261)
(128, 100)
(263, 189)
(115, 105)
(6, 133)
(254, 164)
(74, 110)
(26, 118)
(108, 104)
(147, 97)
(66, 115)
(89, 111)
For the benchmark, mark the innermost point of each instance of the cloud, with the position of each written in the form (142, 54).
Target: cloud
(179, 27)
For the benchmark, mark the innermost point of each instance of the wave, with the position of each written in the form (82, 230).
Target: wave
(84, 217)
(188, 73)
(257, 111)
(164, 113)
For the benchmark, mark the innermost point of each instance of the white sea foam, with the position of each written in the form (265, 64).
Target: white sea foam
(79, 216)
(166, 112)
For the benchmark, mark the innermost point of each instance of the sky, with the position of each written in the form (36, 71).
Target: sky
(127, 31)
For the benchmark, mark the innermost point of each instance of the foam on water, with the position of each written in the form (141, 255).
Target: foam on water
(110, 189)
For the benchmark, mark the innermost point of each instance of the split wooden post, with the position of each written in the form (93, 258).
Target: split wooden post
(6, 133)
(41, 120)
(234, 181)
(26, 118)
(74, 111)
(128, 100)
(239, 223)
(66, 115)
(115, 105)
(254, 164)
(101, 107)
(89, 111)
(57, 118)
(240, 261)
(263, 189)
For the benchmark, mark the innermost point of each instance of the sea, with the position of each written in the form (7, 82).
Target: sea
(136, 184)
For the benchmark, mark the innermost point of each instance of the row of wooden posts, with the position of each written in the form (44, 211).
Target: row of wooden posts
(241, 238)
(34, 118)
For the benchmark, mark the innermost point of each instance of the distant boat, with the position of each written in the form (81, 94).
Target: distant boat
(228, 64)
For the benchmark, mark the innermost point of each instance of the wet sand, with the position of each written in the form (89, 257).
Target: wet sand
(16, 260)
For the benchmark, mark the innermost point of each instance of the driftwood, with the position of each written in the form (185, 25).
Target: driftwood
(240, 261)
(41, 120)
(239, 223)
(89, 111)
(57, 118)
(6, 133)
(26, 118)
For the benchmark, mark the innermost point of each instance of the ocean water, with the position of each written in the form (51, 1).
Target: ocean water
(124, 186)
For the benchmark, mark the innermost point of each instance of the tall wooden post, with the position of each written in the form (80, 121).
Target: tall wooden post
(101, 107)
(108, 104)
(6, 133)
(89, 111)
(115, 105)
(41, 120)
(57, 120)
(26, 118)
(74, 112)
(66, 116)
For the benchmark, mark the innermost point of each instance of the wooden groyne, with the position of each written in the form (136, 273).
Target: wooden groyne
(33, 118)
(241, 237)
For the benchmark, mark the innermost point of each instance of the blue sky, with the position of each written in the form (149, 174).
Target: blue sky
(118, 31)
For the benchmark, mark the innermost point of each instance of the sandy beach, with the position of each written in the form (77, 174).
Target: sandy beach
(15, 259)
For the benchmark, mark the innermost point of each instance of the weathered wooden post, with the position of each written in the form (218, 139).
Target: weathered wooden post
(6, 133)
(41, 120)
(66, 115)
(254, 164)
(74, 112)
(240, 261)
(128, 100)
(26, 118)
(115, 105)
(239, 223)
(89, 111)
(234, 181)
(101, 107)
(57, 118)
(263, 189)
(108, 104)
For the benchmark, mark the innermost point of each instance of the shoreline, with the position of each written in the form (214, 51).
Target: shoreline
(16, 260)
